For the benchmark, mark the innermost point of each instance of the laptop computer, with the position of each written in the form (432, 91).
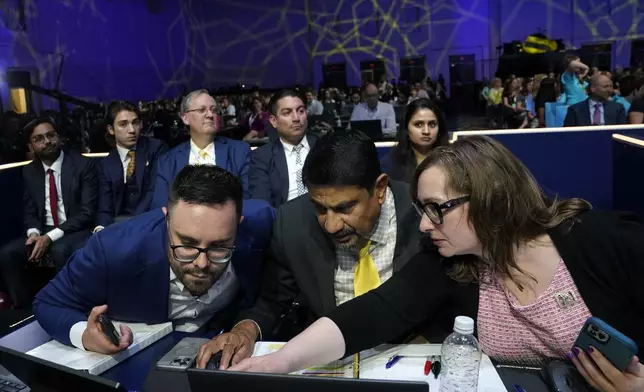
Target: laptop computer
(204, 380)
(24, 373)
(371, 128)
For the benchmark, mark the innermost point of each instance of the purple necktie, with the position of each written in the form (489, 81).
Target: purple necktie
(597, 116)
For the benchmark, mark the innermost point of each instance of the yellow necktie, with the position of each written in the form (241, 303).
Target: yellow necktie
(204, 155)
(366, 276)
(131, 165)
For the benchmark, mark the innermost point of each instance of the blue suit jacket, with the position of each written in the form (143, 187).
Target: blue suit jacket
(232, 155)
(268, 173)
(579, 114)
(110, 179)
(126, 267)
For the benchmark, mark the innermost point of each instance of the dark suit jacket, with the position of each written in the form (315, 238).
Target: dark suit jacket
(398, 171)
(301, 263)
(126, 267)
(268, 173)
(110, 179)
(79, 188)
(232, 155)
(579, 114)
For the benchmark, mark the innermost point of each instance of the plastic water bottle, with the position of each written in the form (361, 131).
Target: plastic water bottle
(460, 358)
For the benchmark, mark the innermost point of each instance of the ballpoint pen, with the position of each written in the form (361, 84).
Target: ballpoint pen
(392, 361)
(517, 388)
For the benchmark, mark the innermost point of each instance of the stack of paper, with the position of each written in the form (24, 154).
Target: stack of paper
(410, 368)
(94, 363)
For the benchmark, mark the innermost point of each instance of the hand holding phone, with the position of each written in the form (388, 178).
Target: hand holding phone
(108, 329)
(101, 336)
(599, 354)
(618, 348)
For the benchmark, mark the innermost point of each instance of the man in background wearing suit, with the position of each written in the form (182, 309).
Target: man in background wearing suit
(198, 260)
(275, 173)
(126, 176)
(598, 109)
(199, 112)
(60, 198)
(351, 233)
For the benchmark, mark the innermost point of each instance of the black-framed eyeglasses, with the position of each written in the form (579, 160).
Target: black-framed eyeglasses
(434, 211)
(188, 253)
(202, 110)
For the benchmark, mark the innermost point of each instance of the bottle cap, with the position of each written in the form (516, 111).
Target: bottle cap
(464, 325)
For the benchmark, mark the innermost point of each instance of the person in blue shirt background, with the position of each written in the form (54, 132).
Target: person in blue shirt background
(571, 79)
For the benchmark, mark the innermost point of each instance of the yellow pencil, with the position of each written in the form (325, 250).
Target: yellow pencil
(356, 366)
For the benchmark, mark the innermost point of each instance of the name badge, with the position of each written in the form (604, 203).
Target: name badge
(565, 299)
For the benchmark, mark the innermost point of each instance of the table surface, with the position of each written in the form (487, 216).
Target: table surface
(132, 372)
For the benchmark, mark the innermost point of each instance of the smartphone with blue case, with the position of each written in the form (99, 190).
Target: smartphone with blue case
(618, 348)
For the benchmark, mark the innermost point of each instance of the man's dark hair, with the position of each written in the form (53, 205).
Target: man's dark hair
(31, 125)
(346, 158)
(116, 107)
(206, 185)
(283, 94)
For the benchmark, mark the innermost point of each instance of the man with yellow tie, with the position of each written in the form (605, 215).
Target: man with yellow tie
(353, 230)
(205, 147)
(126, 176)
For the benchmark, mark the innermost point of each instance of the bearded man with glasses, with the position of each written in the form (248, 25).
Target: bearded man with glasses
(195, 262)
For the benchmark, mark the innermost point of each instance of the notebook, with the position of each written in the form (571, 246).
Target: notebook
(409, 368)
(95, 363)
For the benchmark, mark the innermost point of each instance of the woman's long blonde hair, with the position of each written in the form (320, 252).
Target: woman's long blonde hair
(507, 208)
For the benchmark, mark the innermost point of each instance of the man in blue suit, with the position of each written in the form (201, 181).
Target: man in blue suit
(196, 261)
(275, 173)
(126, 176)
(598, 109)
(198, 111)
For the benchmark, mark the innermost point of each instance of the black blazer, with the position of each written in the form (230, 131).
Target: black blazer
(399, 171)
(603, 252)
(301, 263)
(110, 179)
(79, 188)
(268, 172)
(579, 114)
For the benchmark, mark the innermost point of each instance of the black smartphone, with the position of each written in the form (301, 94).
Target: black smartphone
(109, 330)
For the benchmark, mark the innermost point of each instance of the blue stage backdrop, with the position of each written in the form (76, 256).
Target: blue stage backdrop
(144, 49)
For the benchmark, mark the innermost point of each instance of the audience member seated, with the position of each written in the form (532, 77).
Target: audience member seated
(275, 173)
(373, 109)
(196, 261)
(198, 111)
(126, 176)
(636, 114)
(60, 199)
(494, 101)
(424, 130)
(514, 104)
(571, 79)
(313, 106)
(531, 113)
(528, 269)
(597, 109)
(256, 120)
(354, 230)
(548, 92)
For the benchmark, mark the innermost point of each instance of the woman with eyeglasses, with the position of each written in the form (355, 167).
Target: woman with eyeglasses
(530, 270)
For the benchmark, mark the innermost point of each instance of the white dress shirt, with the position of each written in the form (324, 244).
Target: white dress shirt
(293, 167)
(383, 112)
(188, 312)
(195, 154)
(125, 159)
(54, 234)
